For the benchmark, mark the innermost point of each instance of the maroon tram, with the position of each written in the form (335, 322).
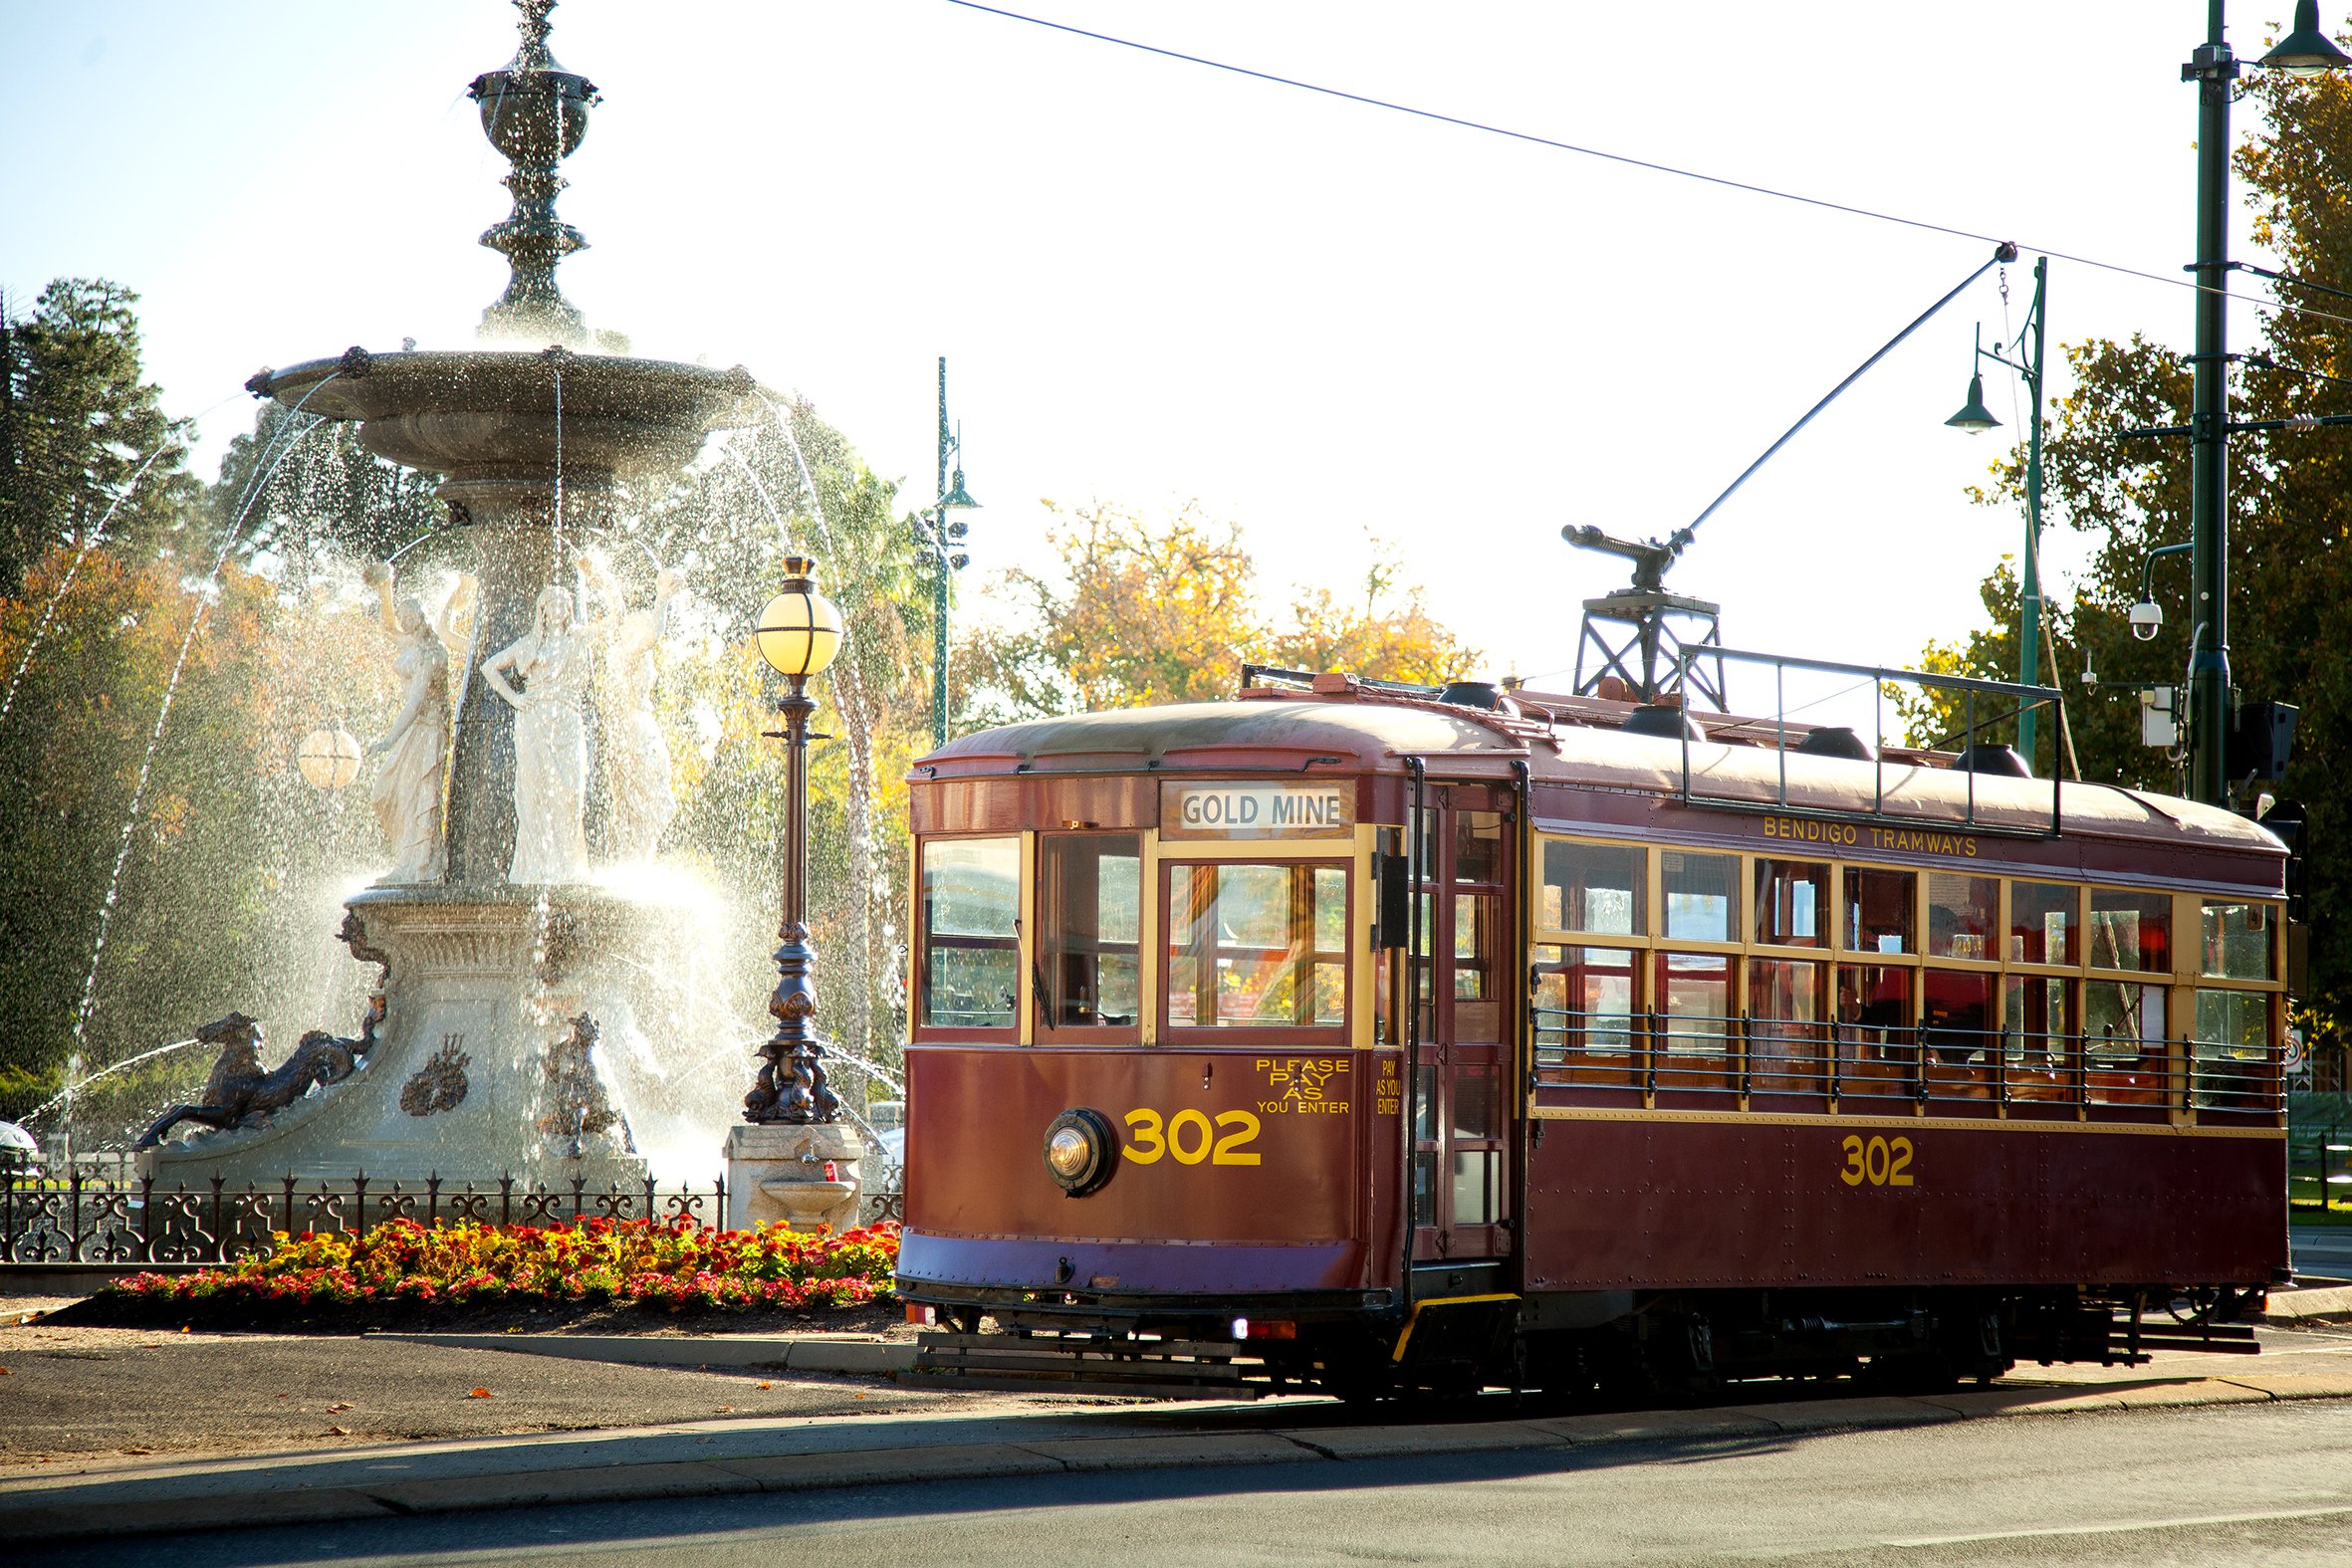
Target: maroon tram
(1350, 1037)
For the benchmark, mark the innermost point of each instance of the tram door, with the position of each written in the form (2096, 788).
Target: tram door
(1462, 1099)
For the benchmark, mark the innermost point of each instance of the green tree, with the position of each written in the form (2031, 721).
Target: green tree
(78, 424)
(2290, 515)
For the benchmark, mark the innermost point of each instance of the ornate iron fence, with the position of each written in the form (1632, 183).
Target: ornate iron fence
(140, 1220)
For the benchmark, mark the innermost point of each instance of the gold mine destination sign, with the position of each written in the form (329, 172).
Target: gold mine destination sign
(1257, 810)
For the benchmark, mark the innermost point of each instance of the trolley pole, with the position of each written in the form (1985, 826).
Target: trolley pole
(2215, 71)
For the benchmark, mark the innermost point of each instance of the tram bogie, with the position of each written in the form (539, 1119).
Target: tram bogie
(1375, 1043)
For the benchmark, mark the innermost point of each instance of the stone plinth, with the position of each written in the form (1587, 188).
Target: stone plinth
(479, 997)
(776, 1173)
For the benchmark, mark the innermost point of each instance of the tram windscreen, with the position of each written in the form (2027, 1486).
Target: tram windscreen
(1254, 945)
(971, 932)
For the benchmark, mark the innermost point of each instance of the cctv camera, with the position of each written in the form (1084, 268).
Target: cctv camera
(2147, 618)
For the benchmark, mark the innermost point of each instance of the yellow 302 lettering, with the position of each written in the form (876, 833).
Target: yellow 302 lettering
(1880, 1162)
(1190, 1137)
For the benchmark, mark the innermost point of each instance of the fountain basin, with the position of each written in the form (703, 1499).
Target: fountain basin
(490, 414)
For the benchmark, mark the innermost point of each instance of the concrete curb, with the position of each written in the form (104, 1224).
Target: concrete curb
(760, 1457)
(2303, 1306)
(861, 1354)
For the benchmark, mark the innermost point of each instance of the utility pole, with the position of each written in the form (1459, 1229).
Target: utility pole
(939, 578)
(2215, 71)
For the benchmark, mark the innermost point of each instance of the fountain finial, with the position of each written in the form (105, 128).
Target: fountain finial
(535, 113)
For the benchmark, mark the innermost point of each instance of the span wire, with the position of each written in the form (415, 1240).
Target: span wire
(1484, 127)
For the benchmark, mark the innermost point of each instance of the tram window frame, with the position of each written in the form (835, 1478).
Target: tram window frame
(1173, 1030)
(924, 1025)
(1690, 1055)
(2024, 896)
(1684, 925)
(1867, 890)
(1972, 931)
(2217, 953)
(1563, 868)
(1774, 881)
(1788, 1054)
(1582, 1052)
(2149, 910)
(1054, 947)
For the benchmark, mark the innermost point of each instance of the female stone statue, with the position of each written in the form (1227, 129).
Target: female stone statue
(636, 758)
(554, 663)
(407, 795)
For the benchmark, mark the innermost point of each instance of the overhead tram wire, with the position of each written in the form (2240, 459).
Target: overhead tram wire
(1629, 161)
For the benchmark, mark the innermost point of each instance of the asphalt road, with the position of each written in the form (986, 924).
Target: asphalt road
(2323, 1251)
(2245, 1484)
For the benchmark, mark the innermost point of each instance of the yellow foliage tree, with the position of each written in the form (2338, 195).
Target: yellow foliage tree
(1143, 613)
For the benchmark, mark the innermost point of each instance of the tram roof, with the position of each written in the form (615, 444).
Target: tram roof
(1375, 735)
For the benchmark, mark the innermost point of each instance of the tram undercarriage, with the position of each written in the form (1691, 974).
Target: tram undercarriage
(1608, 1348)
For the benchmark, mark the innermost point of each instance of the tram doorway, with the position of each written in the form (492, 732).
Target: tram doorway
(1461, 1100)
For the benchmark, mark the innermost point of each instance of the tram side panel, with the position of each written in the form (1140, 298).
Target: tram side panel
(1236, 1171)
(1651, 1204)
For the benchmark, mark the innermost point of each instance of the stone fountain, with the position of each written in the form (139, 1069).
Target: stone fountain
(479, 1055)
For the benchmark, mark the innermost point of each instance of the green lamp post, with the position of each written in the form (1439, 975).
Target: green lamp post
(1975, 418)
(943, 540)
(2306, 51)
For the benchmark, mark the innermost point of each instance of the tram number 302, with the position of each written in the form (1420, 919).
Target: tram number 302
(1190, 1139)
(1881, 1162)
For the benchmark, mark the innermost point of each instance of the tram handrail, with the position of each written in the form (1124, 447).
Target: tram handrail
(2028, 698)
(2100, 1077)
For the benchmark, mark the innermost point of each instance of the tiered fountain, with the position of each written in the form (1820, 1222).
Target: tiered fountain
(502, 959)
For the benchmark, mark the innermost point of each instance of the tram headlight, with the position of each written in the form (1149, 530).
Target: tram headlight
(1079, 1149)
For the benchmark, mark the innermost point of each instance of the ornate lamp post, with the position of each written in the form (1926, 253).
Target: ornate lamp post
(799, 632)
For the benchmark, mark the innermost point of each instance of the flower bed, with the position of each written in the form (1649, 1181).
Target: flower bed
(678, 1265)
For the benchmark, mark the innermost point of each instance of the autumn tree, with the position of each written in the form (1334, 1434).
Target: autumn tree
(1145, 612)
(2290, 516)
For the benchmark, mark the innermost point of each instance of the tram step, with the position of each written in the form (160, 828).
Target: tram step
(1161, 1368)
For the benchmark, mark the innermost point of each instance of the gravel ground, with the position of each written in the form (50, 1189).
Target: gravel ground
(68, 1394)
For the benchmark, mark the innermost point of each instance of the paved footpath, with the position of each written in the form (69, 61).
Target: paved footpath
(805, 1440)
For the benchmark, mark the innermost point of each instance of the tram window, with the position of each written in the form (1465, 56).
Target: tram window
(2237, 942)
(2033, 1023)
(1425, 1126)
(1879, 911)
(2041, 922)
(1596, 888)
(1873, 1037)
(2131, 929)
(1784, 1034)
(1090, 892)
(1695, 995)
(1702, 894)
(1477, 1102)
(1584, 1008)
(2233, 1023)
(2121, 1017)
(1793, 903)
(971, 932)
(1477, 846)
(1961, 915)
(1257, 946)
(1477, 971)
(1956, 1016)
(1474, 1185)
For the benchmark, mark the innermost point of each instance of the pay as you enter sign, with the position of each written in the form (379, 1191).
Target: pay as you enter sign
(1257, 810)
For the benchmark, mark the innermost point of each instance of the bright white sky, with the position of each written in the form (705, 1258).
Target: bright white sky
(1155, 280)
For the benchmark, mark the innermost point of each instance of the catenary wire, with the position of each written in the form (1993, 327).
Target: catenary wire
(1484, 127)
